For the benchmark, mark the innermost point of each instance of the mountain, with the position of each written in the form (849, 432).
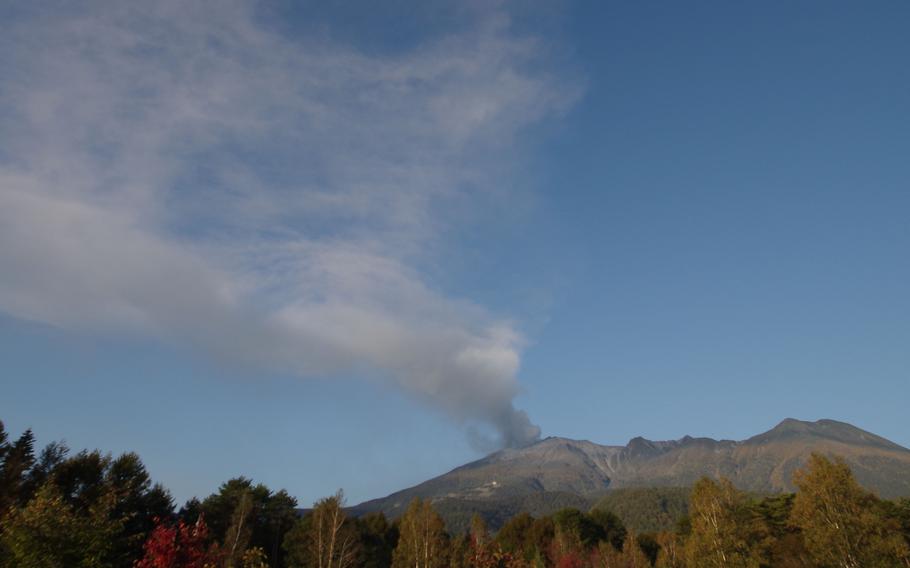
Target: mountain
(558, 472)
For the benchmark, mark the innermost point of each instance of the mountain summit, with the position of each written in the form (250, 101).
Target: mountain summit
(562, 471)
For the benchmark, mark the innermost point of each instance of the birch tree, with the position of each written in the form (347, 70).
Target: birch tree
(324, 538)
(842, 524)
(422, 542)
(721, 536)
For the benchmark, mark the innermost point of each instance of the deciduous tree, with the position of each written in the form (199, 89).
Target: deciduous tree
(49, 533)
(840, 521)
(324, 538)
(179, 545)
(422, 541)
(722, 534)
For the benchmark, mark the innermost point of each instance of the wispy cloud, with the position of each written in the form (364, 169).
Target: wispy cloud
(183, 169)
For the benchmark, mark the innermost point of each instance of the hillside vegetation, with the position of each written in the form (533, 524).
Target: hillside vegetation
(647, 509)
(93, 510)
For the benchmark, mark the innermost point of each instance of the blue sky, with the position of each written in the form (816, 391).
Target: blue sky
(328, 246)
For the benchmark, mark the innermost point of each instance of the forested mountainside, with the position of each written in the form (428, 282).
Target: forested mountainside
(557, 472)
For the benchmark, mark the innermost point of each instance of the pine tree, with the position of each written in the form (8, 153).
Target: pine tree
(17, 461)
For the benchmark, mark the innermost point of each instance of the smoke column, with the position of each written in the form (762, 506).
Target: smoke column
(184, 170)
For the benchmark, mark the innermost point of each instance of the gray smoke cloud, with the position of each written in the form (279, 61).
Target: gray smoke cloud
(182, 169)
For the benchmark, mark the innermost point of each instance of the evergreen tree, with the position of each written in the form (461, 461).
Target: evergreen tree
(138, 504)
(785, 544)
(278, 516)
(377, 538)
(18, 459)
(81, 478)
(270, 518)
(4, 442)
(576, 530)
(49, 459)
(612, 529)
(515, 537)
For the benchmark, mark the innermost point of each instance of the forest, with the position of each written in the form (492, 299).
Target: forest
(93, 510)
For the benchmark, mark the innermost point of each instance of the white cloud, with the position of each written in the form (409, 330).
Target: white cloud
(182, 169)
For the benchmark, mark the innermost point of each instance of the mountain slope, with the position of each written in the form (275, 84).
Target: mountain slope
(555, 472)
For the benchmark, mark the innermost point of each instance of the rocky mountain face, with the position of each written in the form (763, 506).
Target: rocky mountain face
(557, 471)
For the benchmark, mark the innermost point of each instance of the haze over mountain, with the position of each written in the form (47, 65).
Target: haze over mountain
(557, 472)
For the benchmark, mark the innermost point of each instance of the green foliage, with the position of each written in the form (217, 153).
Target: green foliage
(901, 514)
(137, 503)
(516, 534)
(87, 478)
(49, 533)
(587, 530)
(18, 459)
(496, 512)
(576, 529)
(377, 538)
(270, 516)
(784, 542)
(80, 478)
(526, 537)
(90, 510)
(647, 509)
(48, 461)
(612, 529)
(237, 537)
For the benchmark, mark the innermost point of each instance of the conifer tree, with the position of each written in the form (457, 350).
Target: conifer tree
(18, 460)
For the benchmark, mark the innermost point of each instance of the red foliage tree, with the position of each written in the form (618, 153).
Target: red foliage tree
(570, 560)
(178, 546)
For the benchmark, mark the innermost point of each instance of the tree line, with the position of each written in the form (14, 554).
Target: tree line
(92, 510)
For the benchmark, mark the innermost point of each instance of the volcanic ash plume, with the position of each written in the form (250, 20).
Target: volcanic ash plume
(195, 174)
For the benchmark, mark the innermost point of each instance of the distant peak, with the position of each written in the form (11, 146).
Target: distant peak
(791, 424)
(791, 428)
(788, 424)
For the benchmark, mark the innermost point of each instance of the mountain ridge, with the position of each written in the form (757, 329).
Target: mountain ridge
(553, 466)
